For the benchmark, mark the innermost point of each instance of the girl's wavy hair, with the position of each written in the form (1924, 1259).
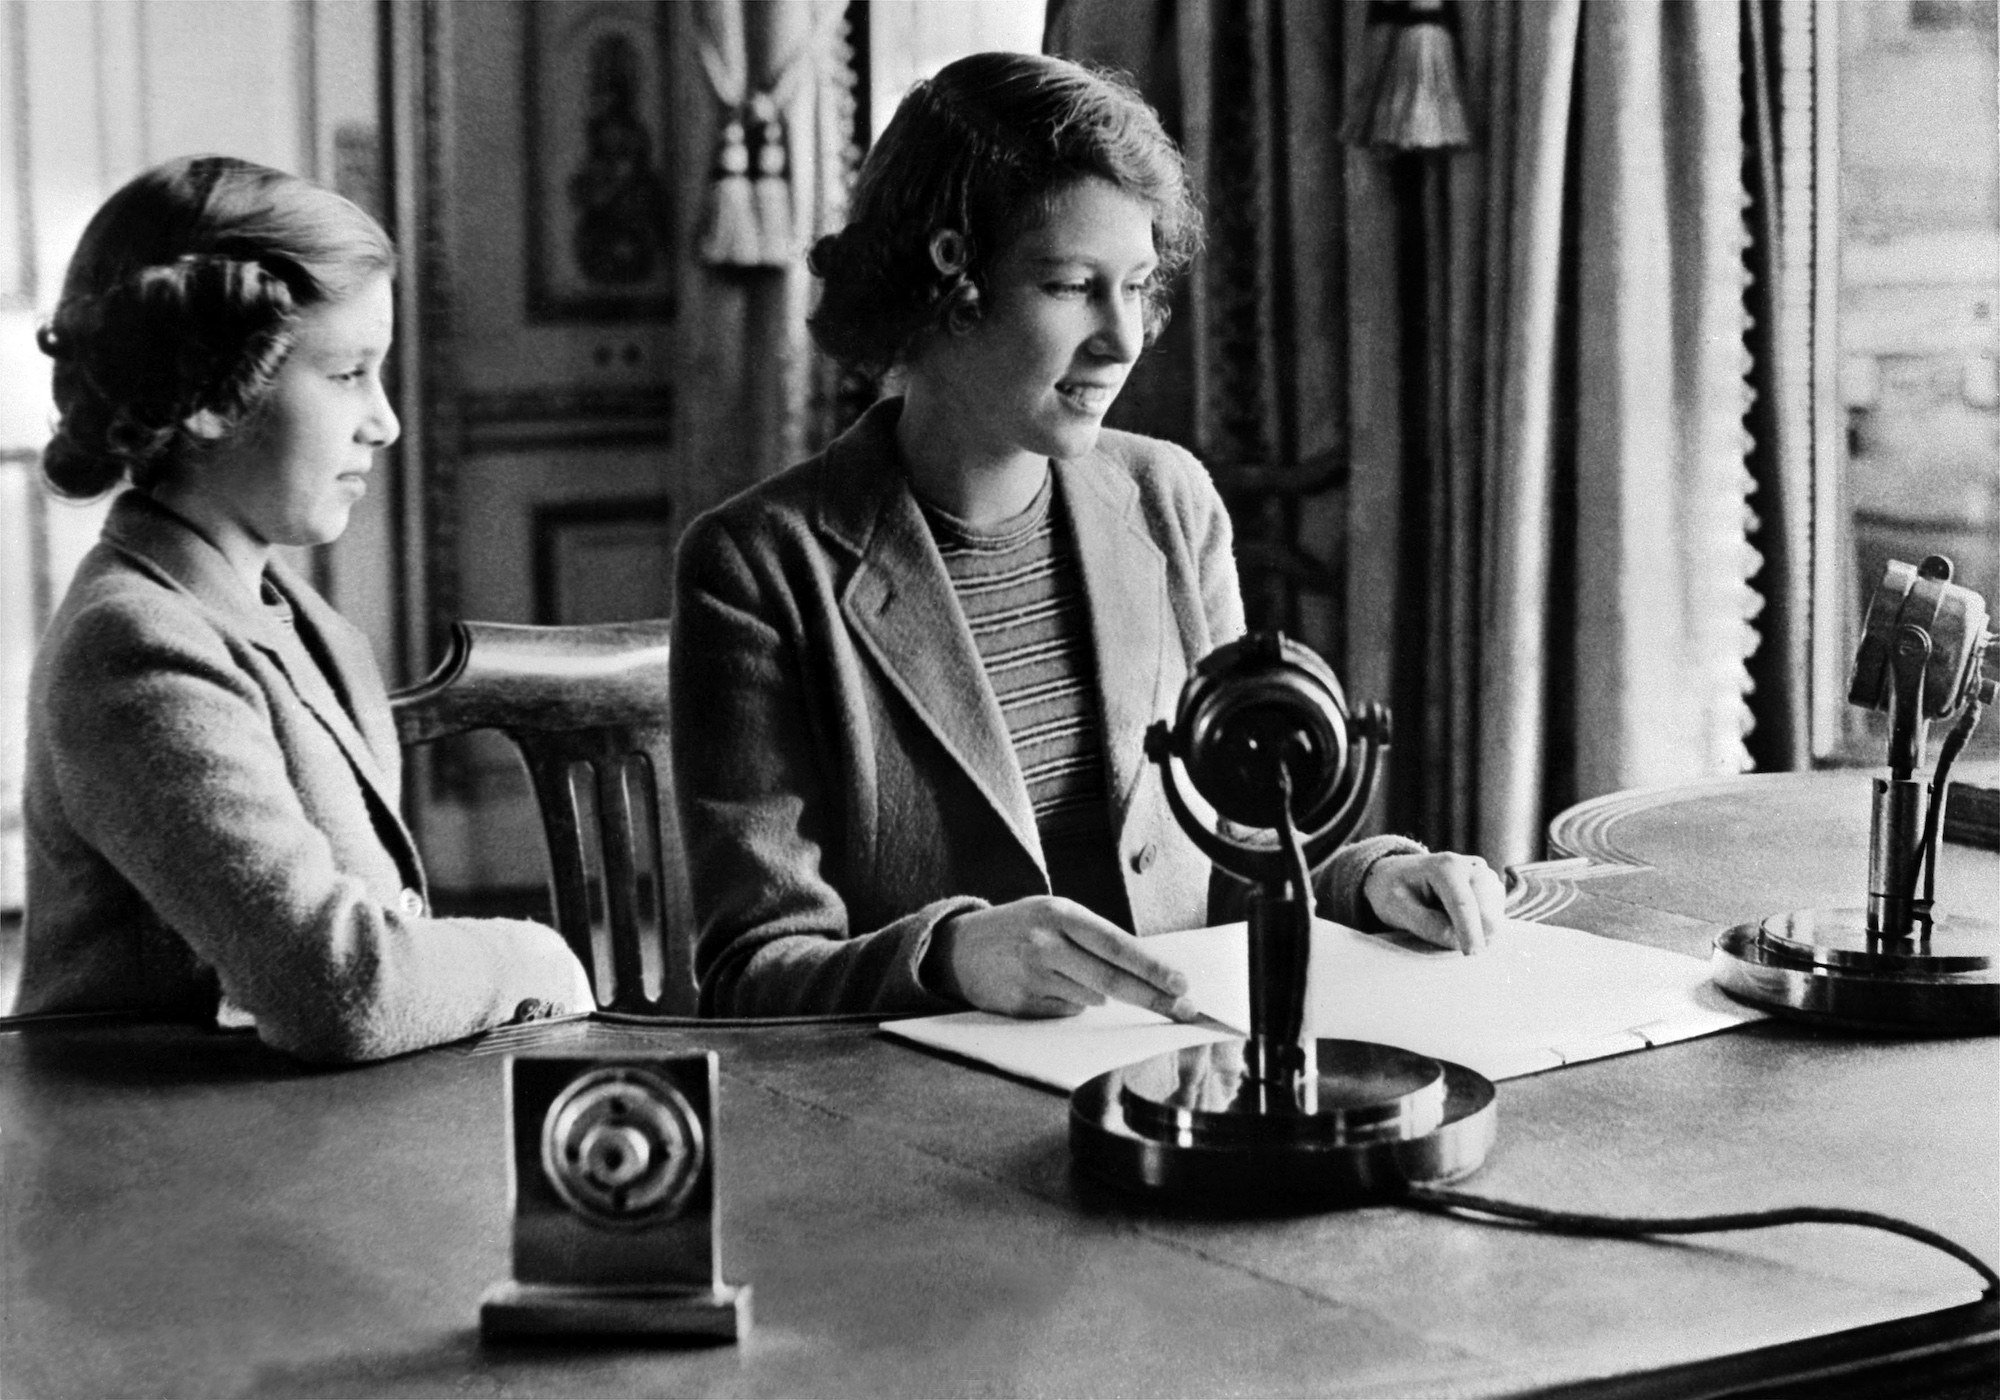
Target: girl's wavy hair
(183, 298)
(973, 158)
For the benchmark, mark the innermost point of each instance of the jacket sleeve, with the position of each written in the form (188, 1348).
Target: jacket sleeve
(167, 762)
(761, 814)
(1338, 882)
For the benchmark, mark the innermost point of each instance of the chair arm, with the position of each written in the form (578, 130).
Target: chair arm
(508, 676)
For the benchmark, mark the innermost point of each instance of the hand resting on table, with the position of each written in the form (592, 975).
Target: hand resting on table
(1048, 956)
(1444, 898)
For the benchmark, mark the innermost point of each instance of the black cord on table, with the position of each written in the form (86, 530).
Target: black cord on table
(1444, 1201)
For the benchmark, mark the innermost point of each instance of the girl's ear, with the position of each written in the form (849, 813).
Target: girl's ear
(205, 425)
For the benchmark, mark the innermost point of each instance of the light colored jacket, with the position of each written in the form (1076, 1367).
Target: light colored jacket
(213, 827)
(845, 778)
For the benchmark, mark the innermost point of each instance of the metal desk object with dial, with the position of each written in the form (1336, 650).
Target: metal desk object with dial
(1896, 964)
(1281, 1118)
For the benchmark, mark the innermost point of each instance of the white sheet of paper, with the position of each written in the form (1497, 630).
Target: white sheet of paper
(1538, 998)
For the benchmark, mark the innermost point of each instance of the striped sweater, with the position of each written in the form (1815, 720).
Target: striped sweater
(1021, 591)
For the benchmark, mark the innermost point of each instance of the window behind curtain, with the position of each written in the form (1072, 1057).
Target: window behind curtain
(1918, 304)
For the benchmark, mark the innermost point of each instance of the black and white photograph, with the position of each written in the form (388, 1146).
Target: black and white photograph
(969, 698)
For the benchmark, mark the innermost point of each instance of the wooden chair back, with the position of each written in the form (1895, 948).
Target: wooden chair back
(586, 707)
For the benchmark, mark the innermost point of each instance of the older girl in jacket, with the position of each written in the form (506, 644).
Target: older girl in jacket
(912, 675)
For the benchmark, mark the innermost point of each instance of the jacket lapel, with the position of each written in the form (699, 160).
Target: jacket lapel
(900, 606)
(1125, 583)
(143, 528)
(354, 700)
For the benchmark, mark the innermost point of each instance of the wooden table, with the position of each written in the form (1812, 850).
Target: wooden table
(184, 1213)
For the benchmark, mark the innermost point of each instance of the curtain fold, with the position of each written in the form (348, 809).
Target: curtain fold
(1614, 627)
(1662, 558)
(1518, 363)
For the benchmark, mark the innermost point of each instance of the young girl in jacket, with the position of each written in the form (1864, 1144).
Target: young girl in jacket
(912, 675)
(213, 776)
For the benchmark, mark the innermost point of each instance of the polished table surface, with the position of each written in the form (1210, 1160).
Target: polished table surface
(185, 1213)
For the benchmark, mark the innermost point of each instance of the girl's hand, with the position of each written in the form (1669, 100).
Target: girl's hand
(1046, 956)
(1451, 900)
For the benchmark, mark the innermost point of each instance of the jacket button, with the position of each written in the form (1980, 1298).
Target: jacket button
(411, 904)
(1143, 858)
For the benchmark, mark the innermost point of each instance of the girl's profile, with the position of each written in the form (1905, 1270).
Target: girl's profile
(213, 777)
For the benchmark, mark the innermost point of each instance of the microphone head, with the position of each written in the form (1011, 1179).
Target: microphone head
(1254, 711)
(1953, 618)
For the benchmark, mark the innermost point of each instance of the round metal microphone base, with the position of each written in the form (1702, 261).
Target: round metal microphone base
(1823, 965)
(1191, 1127)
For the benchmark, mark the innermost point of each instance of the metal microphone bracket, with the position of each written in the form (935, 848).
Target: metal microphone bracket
(1894, 964)
(1280, 1118)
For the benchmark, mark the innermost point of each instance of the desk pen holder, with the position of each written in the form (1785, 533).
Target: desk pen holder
(1280, 1119)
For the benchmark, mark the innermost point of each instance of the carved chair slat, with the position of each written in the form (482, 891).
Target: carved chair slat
(586, 709)
(623, 827)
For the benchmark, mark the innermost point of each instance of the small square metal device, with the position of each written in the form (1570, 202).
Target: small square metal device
(612, 1176)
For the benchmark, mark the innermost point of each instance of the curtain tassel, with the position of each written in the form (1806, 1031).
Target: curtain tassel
(772, 187)
(1415, 102)
(732, 237)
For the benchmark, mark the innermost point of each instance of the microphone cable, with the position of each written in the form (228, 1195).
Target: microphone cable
(1444, 1201)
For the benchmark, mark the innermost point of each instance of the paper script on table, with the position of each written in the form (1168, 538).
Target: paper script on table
(1538, 998)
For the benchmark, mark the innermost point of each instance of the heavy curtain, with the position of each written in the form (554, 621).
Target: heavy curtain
(1604, 349)
(1579, 540)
